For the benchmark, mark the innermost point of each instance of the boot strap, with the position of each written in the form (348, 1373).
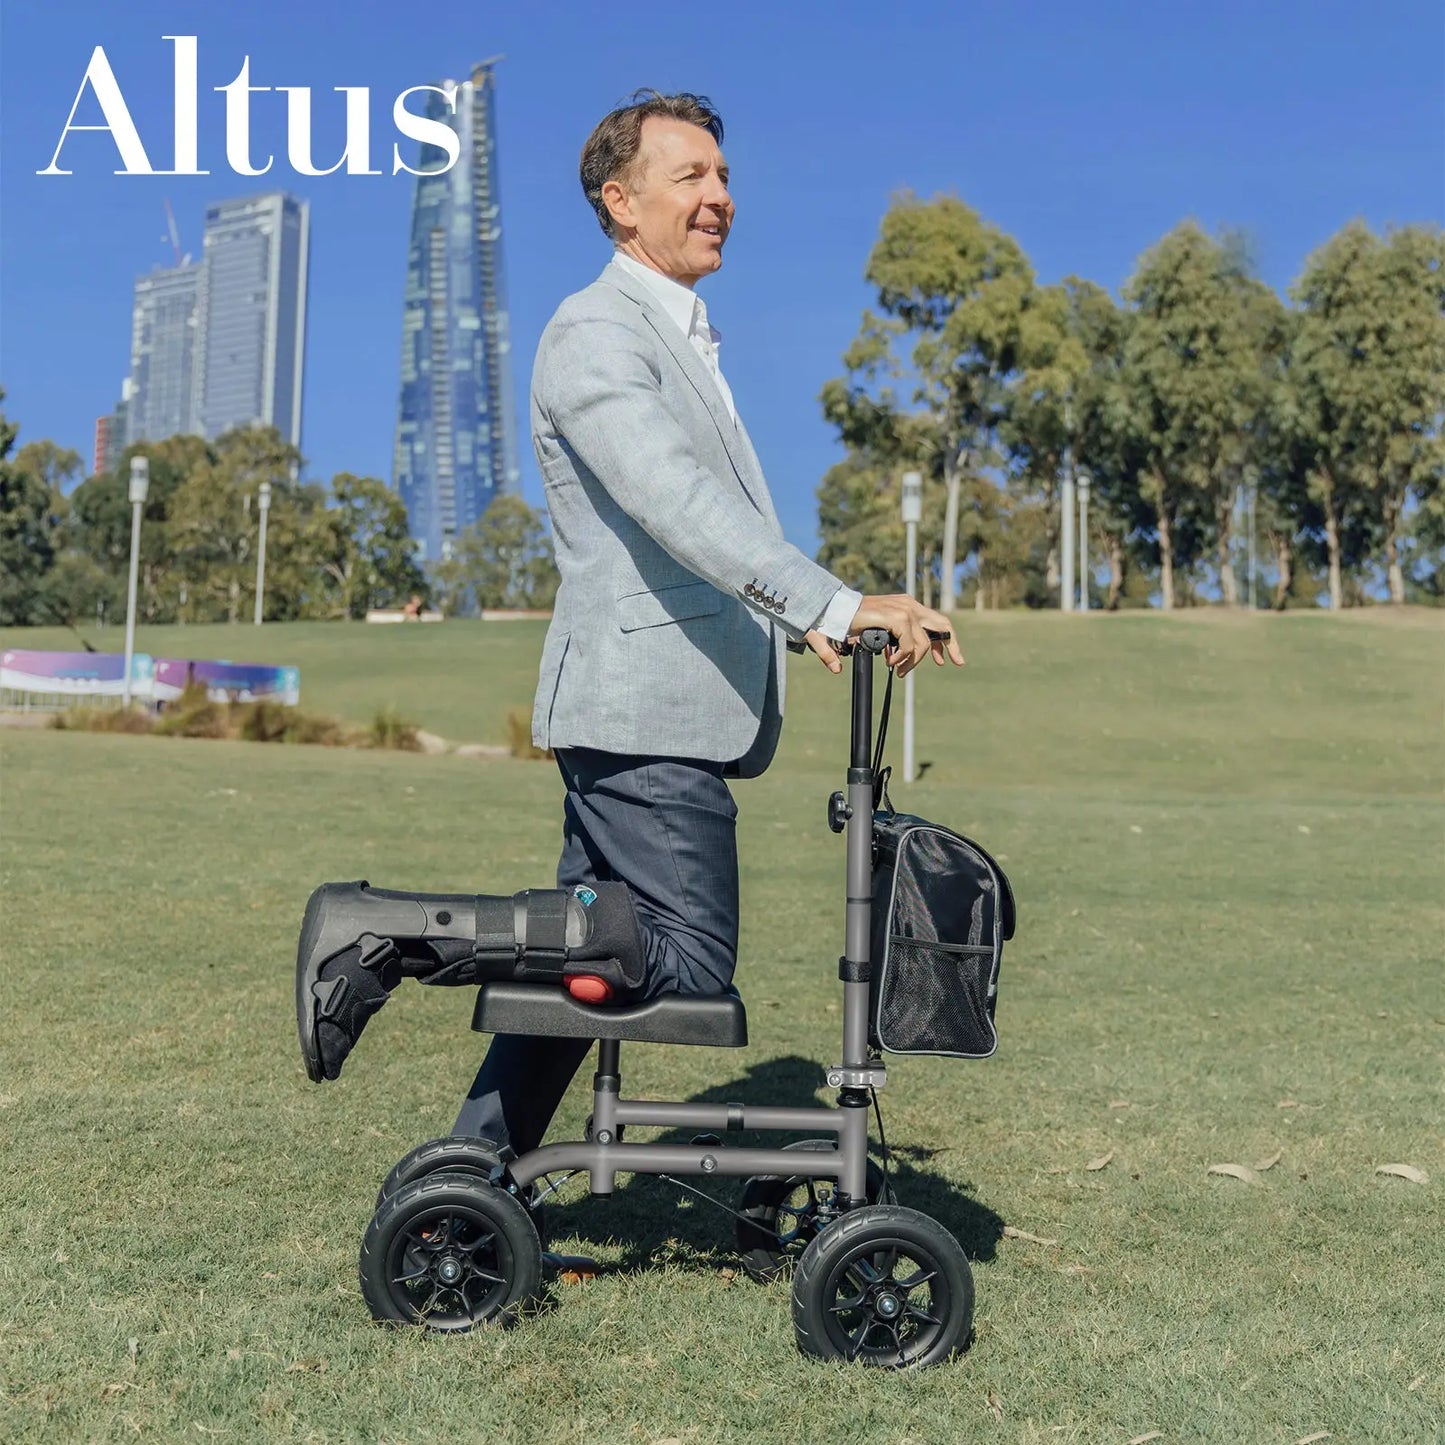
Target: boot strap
(539, 922)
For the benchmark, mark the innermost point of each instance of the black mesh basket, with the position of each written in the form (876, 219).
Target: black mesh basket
(942, 909)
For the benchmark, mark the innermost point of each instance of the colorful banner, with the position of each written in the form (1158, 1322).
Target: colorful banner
(75, 674)
(227, 681)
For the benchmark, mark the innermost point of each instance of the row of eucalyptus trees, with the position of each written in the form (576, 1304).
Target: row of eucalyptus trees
(1198, 386)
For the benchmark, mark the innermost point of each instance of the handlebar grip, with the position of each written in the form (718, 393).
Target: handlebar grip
(873, 639)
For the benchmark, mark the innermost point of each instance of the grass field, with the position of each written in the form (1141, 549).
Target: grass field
(1226, 839)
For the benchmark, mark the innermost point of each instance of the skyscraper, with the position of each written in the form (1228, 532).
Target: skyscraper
(221, 343)
(252, 315)
(455, 442)
(160, 388)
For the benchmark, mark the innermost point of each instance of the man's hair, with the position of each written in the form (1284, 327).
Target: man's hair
(611, 150)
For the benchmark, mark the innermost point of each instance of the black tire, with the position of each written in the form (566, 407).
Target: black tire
(785, 1212)
(885, 1286)
(450, 1252)
(460, 1154)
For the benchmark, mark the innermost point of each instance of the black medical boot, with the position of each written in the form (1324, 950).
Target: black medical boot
(358, 943)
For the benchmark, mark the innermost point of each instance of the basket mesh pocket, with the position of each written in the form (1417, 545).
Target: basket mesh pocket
(935, 999)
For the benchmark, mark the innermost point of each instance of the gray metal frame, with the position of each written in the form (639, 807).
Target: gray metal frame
(603, 1157)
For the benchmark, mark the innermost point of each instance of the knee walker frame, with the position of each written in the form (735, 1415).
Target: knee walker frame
(603, 1157)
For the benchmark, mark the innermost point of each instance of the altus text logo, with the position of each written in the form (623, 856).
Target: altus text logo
(356, 157)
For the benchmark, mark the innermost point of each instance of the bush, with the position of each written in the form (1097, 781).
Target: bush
(390, 730)
(266, 722)
(104, 720)
(194, 715)
(326, 732)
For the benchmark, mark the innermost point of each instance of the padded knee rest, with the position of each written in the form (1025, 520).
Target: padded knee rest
(505, 1007)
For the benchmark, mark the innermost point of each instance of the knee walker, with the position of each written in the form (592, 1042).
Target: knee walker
(454, 1242)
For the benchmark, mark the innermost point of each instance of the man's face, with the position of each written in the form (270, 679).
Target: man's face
(674, 211)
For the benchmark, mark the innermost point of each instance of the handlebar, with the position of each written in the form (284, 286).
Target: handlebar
(872, 639)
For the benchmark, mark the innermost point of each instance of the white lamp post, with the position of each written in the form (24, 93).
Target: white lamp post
(1066, 537)
(1251, 495)
(140, 481)
(912, 515)
(264, 498)
(1084, 482)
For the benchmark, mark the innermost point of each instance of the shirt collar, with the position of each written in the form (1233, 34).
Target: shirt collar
(679, 301)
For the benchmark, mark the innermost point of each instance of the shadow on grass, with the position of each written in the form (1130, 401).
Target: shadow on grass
(654, 1222)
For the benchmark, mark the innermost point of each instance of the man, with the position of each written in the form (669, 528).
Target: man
(663, 669)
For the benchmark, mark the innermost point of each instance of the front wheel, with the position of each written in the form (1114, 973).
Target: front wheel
(886, 1286)
(450, 1252)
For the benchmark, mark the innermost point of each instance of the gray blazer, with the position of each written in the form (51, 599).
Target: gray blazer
(678, 591)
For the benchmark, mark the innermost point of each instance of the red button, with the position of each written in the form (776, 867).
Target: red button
(588, 988)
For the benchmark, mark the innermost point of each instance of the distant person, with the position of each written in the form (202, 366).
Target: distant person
(663, 668)
(412, 611)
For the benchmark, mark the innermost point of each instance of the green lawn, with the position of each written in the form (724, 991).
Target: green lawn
(1228, 844)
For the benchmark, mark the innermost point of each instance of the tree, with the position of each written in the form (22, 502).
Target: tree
(926, 383)
(860, 521)
(1367, 374)
(213, 527)
(503, 560)
(31, 511)
(100, 525)
(1193, 385)
(1062, 401)
(368, 555)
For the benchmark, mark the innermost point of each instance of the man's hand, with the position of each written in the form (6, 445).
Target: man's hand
(826, 650)
(910, 622)
(907, 620)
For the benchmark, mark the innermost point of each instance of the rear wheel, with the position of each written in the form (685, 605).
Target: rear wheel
(783, 1213)
(458, 1154)
(450, 1252)
(461, 1154)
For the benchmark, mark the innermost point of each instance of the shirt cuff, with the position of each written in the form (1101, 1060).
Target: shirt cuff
(838, 615)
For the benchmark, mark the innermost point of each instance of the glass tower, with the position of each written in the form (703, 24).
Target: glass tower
(252, 315)
(455, 447)
(160, 388)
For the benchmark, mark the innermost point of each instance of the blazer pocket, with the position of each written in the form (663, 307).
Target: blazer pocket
(667, 604)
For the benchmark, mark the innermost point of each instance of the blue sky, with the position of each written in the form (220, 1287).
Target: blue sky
(1086, 130)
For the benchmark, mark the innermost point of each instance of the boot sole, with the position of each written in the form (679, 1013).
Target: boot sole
(308, 974)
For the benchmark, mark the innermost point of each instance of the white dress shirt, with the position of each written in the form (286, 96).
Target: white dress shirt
(687, 310)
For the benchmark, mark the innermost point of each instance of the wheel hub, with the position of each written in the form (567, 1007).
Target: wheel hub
(887, 1305)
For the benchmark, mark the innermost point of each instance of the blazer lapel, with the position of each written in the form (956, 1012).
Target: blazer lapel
(734, 439)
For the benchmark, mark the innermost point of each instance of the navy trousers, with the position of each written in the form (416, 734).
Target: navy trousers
(666, 827)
